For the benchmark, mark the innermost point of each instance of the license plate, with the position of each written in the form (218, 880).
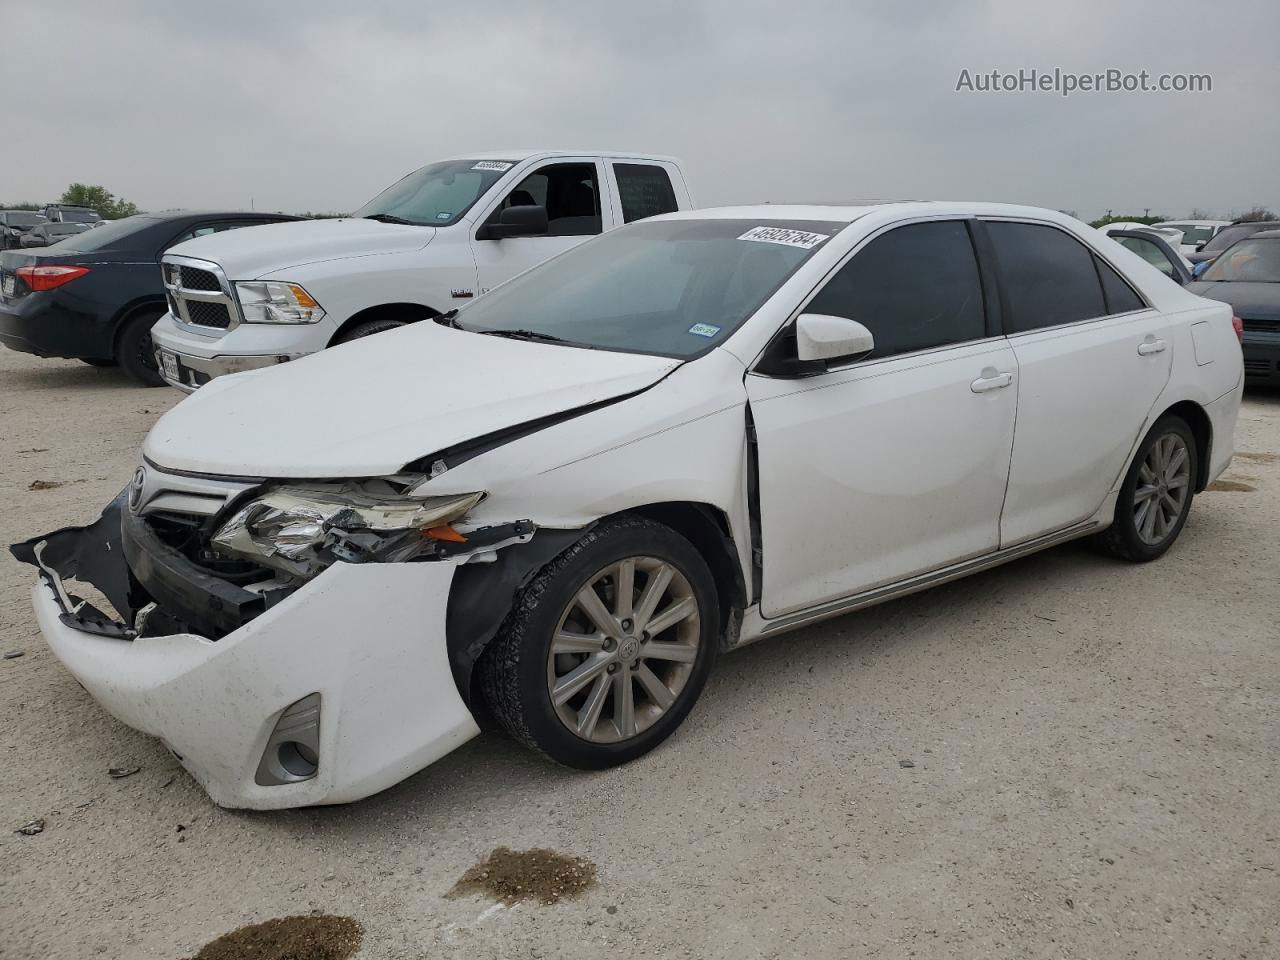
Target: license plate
(170, 363)
(7, 285)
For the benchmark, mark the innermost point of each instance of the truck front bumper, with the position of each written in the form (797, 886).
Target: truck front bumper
(188, 359)
(368, 639)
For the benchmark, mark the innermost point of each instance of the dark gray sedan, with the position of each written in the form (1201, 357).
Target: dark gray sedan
(44, 234)
(1247, 276)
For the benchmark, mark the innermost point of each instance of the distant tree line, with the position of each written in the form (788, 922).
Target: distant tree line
(1256, 213)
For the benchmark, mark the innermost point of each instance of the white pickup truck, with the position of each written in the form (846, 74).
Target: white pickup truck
(441, 236)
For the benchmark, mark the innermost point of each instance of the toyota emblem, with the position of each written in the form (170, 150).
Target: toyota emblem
(135, 488)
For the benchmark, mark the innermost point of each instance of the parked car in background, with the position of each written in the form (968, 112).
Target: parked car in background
(1169, 235)
(1154, 249)
(1195, 233)
(69, 213)
(46, 234)
(433, 241)
(567, 499)
(94, 296)
(1228, 235)
(1247, 276)
(14, 224)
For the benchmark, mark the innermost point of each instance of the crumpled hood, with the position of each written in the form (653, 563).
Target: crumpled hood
(253, 252)
(1260, 301)
(369, 407)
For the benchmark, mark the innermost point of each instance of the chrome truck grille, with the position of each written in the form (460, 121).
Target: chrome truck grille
(199, 293)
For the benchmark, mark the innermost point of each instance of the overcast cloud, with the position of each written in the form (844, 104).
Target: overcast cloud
(318, 105)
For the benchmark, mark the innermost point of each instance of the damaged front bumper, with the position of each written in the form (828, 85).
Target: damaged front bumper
(328, 694)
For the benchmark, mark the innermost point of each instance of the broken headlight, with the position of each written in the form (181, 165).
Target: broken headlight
(301, 530)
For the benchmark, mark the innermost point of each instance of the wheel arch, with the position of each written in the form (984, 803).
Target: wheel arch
(409, 312)
(1202, 429)
(131, 310)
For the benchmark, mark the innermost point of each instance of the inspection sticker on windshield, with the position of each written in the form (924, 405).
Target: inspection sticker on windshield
(790, 238)
(704, 329)
(499, 165)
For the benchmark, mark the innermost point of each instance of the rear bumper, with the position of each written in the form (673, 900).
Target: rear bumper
(369, 639)
(41, 324)
(1262, 359)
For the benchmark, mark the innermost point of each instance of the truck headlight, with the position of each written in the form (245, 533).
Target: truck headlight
(274, 301)
(301, 530)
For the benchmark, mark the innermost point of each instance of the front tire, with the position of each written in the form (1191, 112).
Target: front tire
(135, 353)
(369, 328)
(606, 650)
(1156, 496)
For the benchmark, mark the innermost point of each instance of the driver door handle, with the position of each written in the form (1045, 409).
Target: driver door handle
(990, 380)
(1151, 345)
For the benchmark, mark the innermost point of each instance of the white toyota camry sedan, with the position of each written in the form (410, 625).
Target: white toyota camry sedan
(567, 499)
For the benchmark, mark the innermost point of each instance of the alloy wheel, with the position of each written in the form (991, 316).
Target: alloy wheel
(624, 649)
(1164, 485)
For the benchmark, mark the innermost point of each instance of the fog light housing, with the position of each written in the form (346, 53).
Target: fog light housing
(292, 753)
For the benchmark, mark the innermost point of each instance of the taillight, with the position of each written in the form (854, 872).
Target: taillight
(1238, 326)
(46, 278)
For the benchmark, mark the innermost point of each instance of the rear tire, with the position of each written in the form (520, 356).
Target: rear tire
(1155, 499)
(134, 351)
(369, 328)
(611, 690)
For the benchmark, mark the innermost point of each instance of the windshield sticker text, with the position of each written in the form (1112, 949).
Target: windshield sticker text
(790, 238)
(498, 165)
(704, 330)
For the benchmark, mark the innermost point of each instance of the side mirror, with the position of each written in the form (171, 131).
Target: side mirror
(527, 221)
(823, 337)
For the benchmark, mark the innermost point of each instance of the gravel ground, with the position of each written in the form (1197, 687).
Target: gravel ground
(1093, 768)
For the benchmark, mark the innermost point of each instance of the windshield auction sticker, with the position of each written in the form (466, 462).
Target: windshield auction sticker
(789, 238)
(499, 165)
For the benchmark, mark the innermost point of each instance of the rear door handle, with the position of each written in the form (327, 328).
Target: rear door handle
(1151, 345)
(991, 379)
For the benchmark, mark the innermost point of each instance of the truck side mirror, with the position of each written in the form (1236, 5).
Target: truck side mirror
(529, 221)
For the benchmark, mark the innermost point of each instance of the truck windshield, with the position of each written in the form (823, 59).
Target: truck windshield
(79, 215)
(674, 288)
(437, 195)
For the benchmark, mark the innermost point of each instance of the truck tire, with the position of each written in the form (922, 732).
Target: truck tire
(368, 328)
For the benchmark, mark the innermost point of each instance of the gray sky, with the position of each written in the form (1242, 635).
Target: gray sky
(318, 105)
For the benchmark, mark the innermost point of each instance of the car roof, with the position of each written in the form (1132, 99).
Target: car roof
(519, 155)
(855, 209)
(1192, 223)
(1266, 235)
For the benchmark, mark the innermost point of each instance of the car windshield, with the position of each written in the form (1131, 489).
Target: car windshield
(109, 234)
(79, 216)
(1229, 235)
(1191, 233)
(674, 288)
(23, 219)
(437, 195)
(1249, 261)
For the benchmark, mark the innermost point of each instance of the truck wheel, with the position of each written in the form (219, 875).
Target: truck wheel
(368, 328)
(134, 351)
(606, 650)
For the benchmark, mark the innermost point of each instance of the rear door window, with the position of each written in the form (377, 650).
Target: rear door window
(645, 191)
(1119, 295)
(914, 287)
(1048, 276)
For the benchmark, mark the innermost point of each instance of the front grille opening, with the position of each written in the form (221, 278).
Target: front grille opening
(188, 536)
(208, 314)
(193, 278)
